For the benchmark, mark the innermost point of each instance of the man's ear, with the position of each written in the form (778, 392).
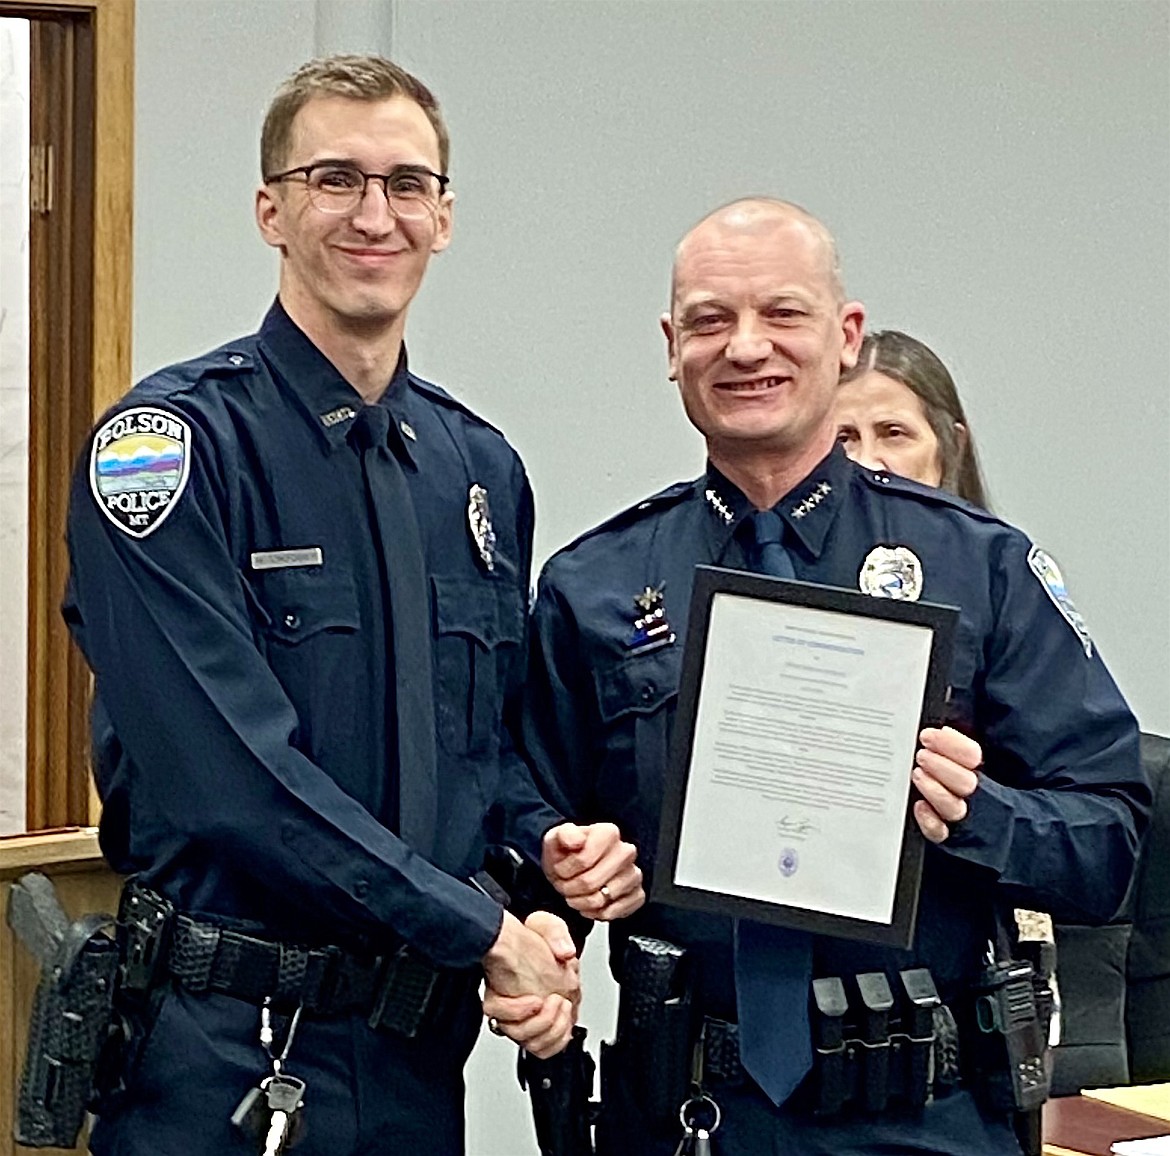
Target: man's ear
(671, 347)
(853, 330)
(268, 217)
(443, 223)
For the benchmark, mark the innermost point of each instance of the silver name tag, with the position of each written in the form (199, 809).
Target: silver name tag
(284, 559)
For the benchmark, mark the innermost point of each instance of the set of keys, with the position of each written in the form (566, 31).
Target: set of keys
(699, 1115)
(270, 1113)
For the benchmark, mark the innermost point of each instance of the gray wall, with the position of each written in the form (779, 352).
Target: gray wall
(996, 174)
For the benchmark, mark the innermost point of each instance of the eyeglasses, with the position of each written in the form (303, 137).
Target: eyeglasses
(412, 191)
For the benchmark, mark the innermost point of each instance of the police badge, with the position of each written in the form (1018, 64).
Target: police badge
(891, 572)
(479, 520)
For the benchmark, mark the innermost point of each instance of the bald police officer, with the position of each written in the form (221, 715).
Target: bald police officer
(1046, 812)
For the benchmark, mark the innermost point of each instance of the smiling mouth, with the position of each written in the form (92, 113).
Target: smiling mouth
(754, 385)
(370, 254)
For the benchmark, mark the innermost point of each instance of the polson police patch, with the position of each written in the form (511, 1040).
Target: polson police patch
(1044, 566)
(138, 467)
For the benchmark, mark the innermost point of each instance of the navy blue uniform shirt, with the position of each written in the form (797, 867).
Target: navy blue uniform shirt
(1055, 821)
(227, 591)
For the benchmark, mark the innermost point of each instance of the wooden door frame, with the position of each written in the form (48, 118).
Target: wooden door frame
(80, 361)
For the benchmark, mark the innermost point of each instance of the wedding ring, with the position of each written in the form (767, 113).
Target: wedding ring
(494, 1026)
(603, 891)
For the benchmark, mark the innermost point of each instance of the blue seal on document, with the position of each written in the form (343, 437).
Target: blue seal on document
(789, 862)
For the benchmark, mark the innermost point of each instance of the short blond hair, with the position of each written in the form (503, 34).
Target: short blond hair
(351, 76)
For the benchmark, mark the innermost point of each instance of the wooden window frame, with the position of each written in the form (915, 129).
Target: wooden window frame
(80, 313)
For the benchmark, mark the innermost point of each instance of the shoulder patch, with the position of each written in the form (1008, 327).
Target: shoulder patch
(139, 461)
(1044, 566)
(654, 504)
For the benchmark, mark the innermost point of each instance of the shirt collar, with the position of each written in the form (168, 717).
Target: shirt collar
(807, 509)
(328, 400)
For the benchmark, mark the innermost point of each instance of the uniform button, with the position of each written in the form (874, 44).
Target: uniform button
(648, 692)
(361, 889)
(236, 359)
(292, 621)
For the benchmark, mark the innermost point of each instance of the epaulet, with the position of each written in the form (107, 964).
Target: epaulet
(929, 495)
(439, 394)
(228, 360)
(654, 504)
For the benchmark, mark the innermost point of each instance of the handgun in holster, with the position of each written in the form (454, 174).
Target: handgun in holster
(73, 1026)
(560, 1089)
(652, 1054)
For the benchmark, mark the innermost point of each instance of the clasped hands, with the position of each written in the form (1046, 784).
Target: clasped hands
(533, 982)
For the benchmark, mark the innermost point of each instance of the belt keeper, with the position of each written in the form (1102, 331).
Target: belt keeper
(320, 979)
(194, 966)
(404, 994)
(291, 972)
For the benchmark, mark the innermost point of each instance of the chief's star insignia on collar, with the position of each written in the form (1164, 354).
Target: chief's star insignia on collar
(719, 506)
(813, 500)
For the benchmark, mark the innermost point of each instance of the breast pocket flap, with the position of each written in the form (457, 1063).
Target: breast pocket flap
(482, 609)
(639, 683)
(303, 603)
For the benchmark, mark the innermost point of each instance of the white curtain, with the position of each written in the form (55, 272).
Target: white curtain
(14, 218)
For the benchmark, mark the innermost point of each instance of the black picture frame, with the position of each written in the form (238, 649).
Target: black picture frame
(711, 581)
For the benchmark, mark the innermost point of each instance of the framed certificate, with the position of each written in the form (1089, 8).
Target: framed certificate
(788, 795)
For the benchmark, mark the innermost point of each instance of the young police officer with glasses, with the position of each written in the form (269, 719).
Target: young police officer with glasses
(300, 574)
(1047, 814)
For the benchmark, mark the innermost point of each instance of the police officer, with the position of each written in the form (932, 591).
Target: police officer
(1033, 795)
(300, 575)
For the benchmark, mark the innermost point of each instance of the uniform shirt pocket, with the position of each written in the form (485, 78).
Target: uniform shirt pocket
(313, 639)
(639, 684)
(478, 625)
(635, 698)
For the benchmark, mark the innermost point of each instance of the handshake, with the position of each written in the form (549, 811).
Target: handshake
(533, 975)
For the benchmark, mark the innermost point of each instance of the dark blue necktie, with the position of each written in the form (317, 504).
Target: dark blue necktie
(773, 965)
(402, 553)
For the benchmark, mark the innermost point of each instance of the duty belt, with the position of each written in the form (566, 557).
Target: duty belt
(400, 991)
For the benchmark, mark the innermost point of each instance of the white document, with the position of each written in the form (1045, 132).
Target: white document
(805, 734)
(1152, 1146)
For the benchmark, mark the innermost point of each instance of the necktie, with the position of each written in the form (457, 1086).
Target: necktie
(773, 965)
(402, 553)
